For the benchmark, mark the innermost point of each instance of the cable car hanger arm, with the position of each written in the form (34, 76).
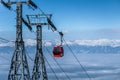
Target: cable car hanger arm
(51, 24)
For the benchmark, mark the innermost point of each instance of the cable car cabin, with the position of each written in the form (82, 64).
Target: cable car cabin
(58, 51)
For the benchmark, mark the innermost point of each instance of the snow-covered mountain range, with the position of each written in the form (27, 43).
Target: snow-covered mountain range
(78, 46)
(99, 42)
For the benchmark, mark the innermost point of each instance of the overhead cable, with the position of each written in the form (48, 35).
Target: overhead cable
(58, 65)
(77, 59)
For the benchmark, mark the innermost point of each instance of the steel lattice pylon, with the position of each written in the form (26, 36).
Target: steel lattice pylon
(19, 69)
(39, 70)
(19, 66)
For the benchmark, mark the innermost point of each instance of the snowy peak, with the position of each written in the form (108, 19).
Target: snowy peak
(99, 42)
(78, 46)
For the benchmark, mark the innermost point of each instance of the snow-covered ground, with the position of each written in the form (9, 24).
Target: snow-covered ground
(98, 66)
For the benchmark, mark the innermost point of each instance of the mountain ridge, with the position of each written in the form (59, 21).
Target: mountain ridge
(99, 42)
(78, 46)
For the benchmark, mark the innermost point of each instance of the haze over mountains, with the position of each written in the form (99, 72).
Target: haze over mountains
(78, 46)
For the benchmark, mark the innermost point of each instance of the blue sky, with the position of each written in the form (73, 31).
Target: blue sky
(78, 19)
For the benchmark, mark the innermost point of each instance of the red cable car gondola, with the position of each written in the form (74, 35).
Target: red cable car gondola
(58, 51)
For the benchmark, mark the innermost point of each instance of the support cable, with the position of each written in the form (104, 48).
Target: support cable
(6, 40)
(58, 64)
(77, 60)
(51, 68)
(29, 56)
(5, 58)
(13, 42)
